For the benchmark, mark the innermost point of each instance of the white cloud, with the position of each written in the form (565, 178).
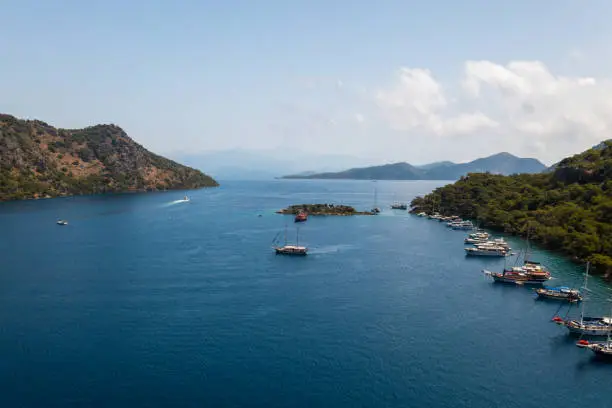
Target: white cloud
(359, 118)
(418, 102)
(522, 104)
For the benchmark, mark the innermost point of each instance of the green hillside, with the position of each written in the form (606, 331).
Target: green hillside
(568, 209)
(38, 160)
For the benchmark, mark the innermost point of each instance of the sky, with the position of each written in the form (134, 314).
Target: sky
(386, 81)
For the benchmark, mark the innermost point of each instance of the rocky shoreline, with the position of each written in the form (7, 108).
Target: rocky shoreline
(323, 209)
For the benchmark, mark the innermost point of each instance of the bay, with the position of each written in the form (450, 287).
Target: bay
(145, 300)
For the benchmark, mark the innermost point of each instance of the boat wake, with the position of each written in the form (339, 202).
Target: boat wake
(171, 203)
(330, 249)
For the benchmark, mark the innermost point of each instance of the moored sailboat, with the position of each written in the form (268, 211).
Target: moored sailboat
(586, 325)
(531, 273)
(295, 250)
(603, 349)
(559, 293)
(375, 209)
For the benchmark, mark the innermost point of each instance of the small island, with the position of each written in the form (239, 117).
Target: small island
(322, 209)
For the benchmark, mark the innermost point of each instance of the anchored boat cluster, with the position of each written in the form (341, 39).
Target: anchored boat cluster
(534, 274)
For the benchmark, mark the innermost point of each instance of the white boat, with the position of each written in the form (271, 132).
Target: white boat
(422, 214)
(464, 225)
(479, 235)
(486, 250)
(494, 243)
(474, 241)
(62, 222)
(185, 198)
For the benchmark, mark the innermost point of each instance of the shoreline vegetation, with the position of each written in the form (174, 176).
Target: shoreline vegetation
(568, 209)
(40, 161)
(322, 209)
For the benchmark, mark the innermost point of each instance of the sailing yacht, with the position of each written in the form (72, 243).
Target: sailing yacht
(530, 273)
(559, 293)
(295, 250)
(586, 325)
(375, 210)
(603, 349)
(398, 205)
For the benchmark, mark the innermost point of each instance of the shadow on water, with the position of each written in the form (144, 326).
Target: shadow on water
(512, 286)
(562, 340)
(486, 260)
(593, 363)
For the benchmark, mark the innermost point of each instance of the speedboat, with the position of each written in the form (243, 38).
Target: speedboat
(62, 222)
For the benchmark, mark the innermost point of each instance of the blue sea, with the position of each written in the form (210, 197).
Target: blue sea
(146, 300)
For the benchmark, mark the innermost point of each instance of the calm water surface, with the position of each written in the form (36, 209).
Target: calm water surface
(145, 301)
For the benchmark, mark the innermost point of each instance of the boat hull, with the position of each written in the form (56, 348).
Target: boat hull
(290, 252)
(602, 352)
(512, 279)
(589, 331)
(498, 279)
(494, 254)
(557, 295)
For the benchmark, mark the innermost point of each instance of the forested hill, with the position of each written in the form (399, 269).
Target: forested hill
(38, 160)
(568, 209)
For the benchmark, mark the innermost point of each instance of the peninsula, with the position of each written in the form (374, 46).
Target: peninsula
(40, 161)
(568, 209)
(322, 209)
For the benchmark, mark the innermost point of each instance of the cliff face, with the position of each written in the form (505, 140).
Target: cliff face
(38, 160)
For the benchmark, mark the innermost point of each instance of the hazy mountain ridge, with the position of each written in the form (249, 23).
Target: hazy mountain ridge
(244, 164)
(501, 163)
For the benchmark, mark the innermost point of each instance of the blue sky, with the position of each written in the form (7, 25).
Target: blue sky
(385, 81)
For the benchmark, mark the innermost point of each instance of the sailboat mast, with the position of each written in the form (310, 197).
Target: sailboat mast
(586, 277)
(375, 194)
(297, 236)
(527, 250)
(610, 331)
(285, 234)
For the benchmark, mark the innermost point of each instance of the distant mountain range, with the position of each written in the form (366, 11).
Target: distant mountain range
(244, 164)
(501, 163)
